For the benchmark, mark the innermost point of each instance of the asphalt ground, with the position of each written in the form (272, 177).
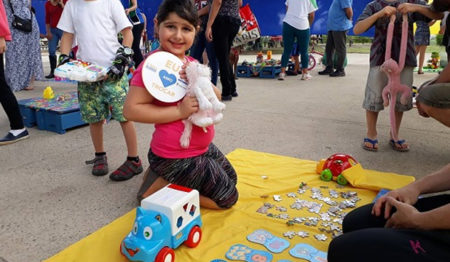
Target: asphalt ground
(49, 199)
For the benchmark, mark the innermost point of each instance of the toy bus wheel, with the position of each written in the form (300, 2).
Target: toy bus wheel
(341, 180)
(326, 175)
(166, 254)
(194, 237)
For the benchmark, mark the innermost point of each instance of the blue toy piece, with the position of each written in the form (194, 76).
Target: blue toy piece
(162, 226)
(245, 253)
(272, 243)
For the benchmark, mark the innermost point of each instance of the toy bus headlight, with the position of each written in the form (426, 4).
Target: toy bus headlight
(148, 233)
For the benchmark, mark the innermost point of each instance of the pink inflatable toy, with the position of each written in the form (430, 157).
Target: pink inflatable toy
(393, 70)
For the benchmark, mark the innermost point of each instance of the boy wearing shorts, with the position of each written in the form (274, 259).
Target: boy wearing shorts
(377, 13)
(95, 24)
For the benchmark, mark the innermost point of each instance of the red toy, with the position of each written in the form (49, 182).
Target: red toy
(332, 167)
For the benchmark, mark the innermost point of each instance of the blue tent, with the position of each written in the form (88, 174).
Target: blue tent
(269, 14)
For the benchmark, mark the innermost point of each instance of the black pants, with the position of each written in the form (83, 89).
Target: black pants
(137, 33)
(336, 44)
(366, 239)
(224, 30)
(9, 101)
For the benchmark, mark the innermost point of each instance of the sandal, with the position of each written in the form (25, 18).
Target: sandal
(100, 167)
(374, 143)
(127, 170)
(398, 145)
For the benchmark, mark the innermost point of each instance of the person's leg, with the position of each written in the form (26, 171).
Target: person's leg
(234, 29)
(222, 30)
(198, 47)
(340, 38)
(434, 101)
(329, 51)
(94, 111)
(114, 93)
(303, 44)
(52, 45)
(422, 49)
(137, 34)
(9, 101)
(288, 41)
(212, 61)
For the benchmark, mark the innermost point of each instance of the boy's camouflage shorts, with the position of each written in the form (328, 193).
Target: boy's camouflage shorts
(101, 99)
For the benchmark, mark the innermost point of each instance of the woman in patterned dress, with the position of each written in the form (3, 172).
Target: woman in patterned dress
(23, 54)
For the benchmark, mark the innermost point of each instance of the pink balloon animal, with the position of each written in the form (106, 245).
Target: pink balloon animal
(393, 71)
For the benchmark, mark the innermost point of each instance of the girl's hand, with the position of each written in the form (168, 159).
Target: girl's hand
(183, 71)
(187, 106)
(387, 11)
(208, 34)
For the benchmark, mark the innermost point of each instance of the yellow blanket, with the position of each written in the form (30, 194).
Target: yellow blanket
(259, 175)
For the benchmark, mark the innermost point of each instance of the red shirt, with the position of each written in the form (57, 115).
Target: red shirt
(53, 13)
(4, 27)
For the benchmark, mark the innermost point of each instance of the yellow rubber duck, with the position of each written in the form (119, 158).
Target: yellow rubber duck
(48, 93)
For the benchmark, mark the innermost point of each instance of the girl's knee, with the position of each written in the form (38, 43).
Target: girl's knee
(228, 202)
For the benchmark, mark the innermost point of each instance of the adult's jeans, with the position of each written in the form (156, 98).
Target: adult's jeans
(197, 49)
(137, 34)
(53, 43)
(224, 30)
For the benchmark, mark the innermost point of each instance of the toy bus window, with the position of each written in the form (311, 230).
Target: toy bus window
(185, 207)
(179, 221)
(192, 211)
(158, 217)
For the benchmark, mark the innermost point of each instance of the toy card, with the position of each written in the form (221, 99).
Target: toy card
(161, 77)
(245, 253)
(272, 243)
(308, 252)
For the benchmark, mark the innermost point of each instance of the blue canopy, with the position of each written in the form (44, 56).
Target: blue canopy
(269, 13)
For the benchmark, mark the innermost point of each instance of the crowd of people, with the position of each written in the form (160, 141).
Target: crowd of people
(398, 217)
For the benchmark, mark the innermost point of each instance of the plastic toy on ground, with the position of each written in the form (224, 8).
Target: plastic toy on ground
(165, 220)
(332, 167)
(48, 93)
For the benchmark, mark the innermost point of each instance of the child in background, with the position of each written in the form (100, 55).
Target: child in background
(200, 166)
(96, 24)
(377, 13)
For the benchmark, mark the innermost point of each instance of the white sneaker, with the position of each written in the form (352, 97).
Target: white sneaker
(306, 76)
(281, 76)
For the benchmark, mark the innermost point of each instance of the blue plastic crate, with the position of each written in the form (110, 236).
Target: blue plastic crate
(243, 71)
(269, 71)
(56, 115)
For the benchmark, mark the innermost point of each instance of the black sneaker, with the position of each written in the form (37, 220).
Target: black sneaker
(227, 98)
(338, 73)
(127, 170)
(235, 94)
(10, 138)
(328, 70)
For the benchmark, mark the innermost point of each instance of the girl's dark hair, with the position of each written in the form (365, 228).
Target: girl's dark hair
(441, 5)
(183, 8)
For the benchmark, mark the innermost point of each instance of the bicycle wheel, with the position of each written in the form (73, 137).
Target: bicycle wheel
(311, 62)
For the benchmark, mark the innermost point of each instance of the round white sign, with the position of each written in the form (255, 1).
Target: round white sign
(161, 76)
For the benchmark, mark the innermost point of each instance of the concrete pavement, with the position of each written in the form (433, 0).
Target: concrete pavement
(49, 200)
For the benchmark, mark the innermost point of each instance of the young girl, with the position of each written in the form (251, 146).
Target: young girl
(200, 166)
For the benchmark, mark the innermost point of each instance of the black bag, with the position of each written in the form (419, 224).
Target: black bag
(25, 25)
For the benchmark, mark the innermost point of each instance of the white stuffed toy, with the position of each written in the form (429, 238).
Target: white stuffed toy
(210, 108)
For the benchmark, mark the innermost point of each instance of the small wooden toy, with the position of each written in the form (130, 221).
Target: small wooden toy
(165, 220)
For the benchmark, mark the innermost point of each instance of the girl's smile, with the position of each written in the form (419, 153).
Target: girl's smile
(176, 35)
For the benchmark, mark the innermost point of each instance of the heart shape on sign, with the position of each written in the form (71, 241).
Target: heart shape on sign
(167, 78)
